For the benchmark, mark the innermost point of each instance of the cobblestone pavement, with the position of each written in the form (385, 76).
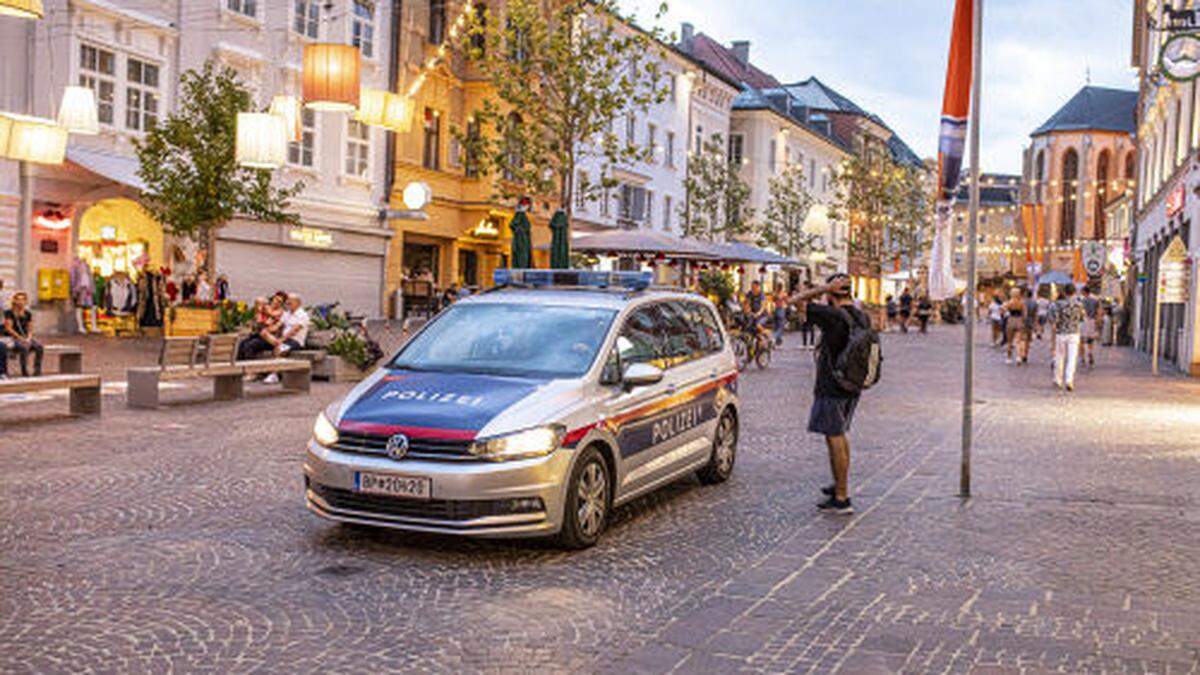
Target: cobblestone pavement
(177, 540)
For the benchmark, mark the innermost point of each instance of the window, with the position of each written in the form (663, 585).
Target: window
(514, 156)
(736, 149)
(699, 140)
(666, 220)
(605, 198)
(652, 141)
(358, 148)
(581, 183)
(433, 139)
(669, 152)
(437, 21)
(771, 151)
(1070, 174)
(649, 207)
(306, 18)
(631, 129)
(631, 205)
(812, 174)
(479, 39)
(674, 88)
(247, 7)
(300, 153)
(471, 159)
(97, 68)
(640, 340)
(362, 30)
(141, 94)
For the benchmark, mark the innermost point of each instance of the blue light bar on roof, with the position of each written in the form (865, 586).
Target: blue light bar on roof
(631, 281)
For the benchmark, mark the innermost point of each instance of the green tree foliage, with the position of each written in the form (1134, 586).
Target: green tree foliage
(885, 208)
(717, 207)
(563, 75)
(194, 185)
(788, 205)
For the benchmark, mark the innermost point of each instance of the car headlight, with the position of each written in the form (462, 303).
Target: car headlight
(535, 442)
(324, 432)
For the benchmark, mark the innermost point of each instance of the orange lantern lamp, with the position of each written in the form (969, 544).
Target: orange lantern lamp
(331, 76)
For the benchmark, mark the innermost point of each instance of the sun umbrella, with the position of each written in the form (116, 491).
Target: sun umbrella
(521, 254)
(560, 249)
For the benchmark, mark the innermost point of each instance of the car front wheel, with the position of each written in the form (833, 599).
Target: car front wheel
(588, 501)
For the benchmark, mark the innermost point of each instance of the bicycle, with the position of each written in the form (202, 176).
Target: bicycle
(756, 346)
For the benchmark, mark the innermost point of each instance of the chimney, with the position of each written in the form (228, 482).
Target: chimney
(741, 51)
(686, 32)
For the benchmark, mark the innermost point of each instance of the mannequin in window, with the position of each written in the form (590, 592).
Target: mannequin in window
(83, 294)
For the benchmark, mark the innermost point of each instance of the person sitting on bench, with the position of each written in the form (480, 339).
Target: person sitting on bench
(267, 326)
(18, 325)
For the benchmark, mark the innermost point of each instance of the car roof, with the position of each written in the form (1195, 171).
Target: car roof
(608, 299)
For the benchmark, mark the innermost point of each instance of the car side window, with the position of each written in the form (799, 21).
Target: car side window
(684, 339)
(707, 322)
(640, 340)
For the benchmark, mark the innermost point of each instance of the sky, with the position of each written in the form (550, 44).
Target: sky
(889, 56)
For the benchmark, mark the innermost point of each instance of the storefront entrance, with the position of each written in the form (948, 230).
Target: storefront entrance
(118, 236)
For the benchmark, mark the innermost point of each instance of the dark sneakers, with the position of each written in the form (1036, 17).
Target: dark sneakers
(833, 505)
(829, 490)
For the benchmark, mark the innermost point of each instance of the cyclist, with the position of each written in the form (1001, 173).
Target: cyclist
(756, 306)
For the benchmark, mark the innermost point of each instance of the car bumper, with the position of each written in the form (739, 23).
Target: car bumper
(485, 499)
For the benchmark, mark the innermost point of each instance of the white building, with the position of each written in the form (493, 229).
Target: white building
(132, 54)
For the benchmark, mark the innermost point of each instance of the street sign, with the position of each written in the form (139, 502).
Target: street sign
(1174, 275)
(1094, 255)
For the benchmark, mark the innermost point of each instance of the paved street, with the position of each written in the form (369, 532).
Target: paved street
(178, 540)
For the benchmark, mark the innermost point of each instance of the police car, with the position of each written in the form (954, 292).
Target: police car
(533, 409)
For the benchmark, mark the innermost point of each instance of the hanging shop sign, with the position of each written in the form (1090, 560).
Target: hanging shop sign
(1176, 199)
(311, 237)
(1093, 255)
(1179, 58)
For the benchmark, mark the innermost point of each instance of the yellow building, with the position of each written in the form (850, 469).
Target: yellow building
(465, 236)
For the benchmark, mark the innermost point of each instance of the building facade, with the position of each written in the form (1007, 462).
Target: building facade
(1001, 251)
(1165, 200)
(132, 55)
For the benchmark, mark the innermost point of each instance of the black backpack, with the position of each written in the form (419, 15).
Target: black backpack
(858, 367)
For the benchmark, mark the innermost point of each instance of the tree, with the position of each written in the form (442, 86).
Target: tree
(788, 205)
(717, 207)
(885, 208)
(561, 73)
(194, 185)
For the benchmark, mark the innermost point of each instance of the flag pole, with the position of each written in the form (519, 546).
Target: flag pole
(964, 479)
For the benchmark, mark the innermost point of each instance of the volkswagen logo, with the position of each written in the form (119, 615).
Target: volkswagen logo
(397, 446)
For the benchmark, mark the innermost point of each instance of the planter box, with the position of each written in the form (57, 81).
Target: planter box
(191, 322)
(335, 369)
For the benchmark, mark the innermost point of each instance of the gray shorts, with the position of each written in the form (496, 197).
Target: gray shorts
(831, 416)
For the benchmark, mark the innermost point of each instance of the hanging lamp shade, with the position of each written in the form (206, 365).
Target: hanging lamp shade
(77, 113)
(331, 76)
(6, 124)
(26, 9)
(288, 108)
(261, 141)
(372, 106)
(35, 139)
(398, 114)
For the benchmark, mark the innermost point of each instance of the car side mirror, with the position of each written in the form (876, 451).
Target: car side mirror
(641, 375)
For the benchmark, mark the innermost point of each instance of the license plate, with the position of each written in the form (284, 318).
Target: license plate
(393, 485)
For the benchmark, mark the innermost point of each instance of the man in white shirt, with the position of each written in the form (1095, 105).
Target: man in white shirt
(295, 321)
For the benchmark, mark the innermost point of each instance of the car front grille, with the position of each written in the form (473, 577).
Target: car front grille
(430, 509)
(418, 448)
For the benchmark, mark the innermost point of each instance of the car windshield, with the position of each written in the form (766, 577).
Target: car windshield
(521, 340)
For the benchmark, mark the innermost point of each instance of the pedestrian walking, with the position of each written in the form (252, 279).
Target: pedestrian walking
(996, 317)
(892, 311)
(1030, 315)
(924, 313)
(807, 328)
(1066, 317)
(833, 404)
(1091, 325)
(1014, 309)
(906, 300)
(780, 302)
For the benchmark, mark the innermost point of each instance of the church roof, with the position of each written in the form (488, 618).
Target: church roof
(1095, 109)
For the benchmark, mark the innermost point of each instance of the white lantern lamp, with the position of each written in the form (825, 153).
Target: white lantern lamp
(77, 113)
(398, 116)
(372, 107)
(35, 139)
(288, 108)
(261, 141)
(25, 9)
(417, 195)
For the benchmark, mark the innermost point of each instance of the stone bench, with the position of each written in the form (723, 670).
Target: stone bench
(70, 357)
(85, 389)
(178, 360)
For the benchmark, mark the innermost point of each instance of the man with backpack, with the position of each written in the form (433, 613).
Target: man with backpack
(848, 360)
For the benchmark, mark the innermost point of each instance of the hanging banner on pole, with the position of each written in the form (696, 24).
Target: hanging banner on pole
(956, 102)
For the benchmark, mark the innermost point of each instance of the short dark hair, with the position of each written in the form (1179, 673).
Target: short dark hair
(1069, 290)
(1087, 290)
(834, 277)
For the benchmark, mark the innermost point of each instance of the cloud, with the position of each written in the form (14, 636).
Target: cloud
(890, 57)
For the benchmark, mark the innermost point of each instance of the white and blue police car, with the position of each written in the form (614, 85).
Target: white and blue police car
(533, 409)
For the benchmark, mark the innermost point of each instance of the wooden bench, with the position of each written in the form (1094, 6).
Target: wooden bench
(180, 359)
(70, 357)
(85, 389)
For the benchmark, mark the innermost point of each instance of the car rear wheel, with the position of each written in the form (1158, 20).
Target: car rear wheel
(724, 451)
(585, 514)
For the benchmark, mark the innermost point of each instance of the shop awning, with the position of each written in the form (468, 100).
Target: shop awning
(117, 168)
(641, 241)
(748, 253)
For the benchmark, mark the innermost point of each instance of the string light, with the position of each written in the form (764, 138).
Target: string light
(432, 62)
